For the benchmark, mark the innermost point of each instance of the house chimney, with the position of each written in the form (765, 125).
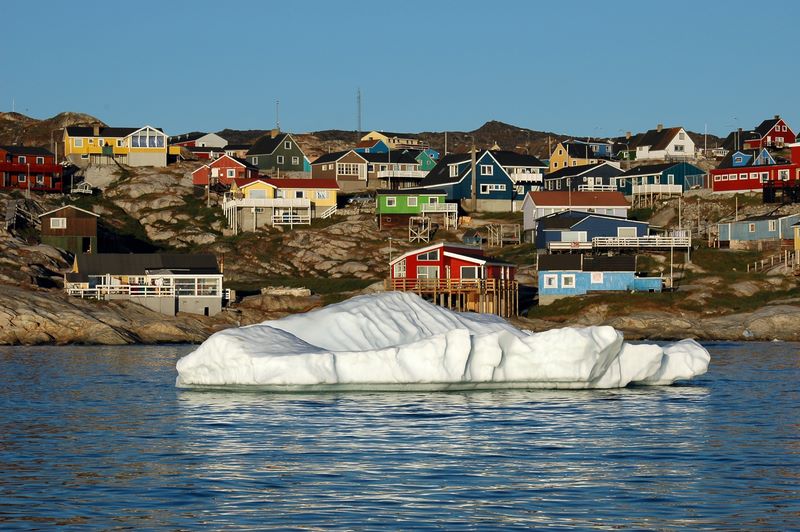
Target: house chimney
(777, 117)
(96, 130)
(628, 135)
(274, 133)
(659, 127)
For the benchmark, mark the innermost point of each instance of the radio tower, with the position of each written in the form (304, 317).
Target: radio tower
(358, 106)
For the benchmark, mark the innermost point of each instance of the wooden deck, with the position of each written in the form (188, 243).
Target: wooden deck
(489, 296)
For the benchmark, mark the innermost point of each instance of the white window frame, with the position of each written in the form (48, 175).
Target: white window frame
(550, 280)
(412, 201)
(40, 160)
(783, 174)
(22, 178)
(399, 269)
(432, 255)
(596, 278)
(22, 159)
(279, 159)
(484, 188)
(295, 160)
(487, 169)
(391, 201)
(773, 225)
(287, 145)
(753, 175)
(476, 269)
(568, 280)
(299, 194)
(231, 173)
(424, 272)
(321, 194)
(40, 179)
(453, 170)
(58, 223)
(119, 143)
(751, 228)
(77, 142)
(254, 162)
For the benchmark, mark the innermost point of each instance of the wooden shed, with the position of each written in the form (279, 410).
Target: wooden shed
(70, 228)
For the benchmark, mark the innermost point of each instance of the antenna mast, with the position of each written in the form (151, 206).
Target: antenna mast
(277, 115)
(358, 107)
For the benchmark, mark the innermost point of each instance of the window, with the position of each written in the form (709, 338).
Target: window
(287, 145)
(78, 143)
(279, 159)
(299, 194)
(347, 168)
(321, 194)
(717, 177)
(254, 162)
(737, 159)
(574, 162)
(560, 151)
(681, 136)
(430, 255)
(433, 200)
(84, 156)
(21, 159)
(469, 272)
(119, 143)
(453, 170)
(91, 141)
(391, 201)
(295, 160)
(400, 269)
(568, 280)
(555, 165)
(753, 175)
(783, 175)
(743, 177)
(58, 223)
(484, 189)
(520, 189)
(751, 228)
(772, 225)
(40, 179)
(487, 169)
(550, 280)
(597, 278)
(626, 232)
(679, 147)
(22, 178)
(427, 272)
(40, 160)
(764, 177)
(231, 172)
(412, 201)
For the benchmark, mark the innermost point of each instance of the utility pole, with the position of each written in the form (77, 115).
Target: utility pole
(474, 178)
(445, 142)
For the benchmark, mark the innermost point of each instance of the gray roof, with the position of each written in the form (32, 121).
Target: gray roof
(141, 263)
(587, 263)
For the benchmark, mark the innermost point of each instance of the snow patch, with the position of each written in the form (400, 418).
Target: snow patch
(397, 340)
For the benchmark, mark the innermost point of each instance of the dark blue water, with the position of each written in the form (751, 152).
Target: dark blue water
(99, 438)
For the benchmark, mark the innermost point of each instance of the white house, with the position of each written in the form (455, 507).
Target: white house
(538, 204)
(660, 144)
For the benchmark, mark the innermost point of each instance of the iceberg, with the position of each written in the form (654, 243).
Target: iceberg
(399, 341)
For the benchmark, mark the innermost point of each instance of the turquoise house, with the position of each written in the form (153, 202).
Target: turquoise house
(688, 176)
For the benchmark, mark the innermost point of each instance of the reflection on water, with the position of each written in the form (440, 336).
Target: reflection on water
(100, 436)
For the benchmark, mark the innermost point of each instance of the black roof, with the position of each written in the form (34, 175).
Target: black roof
(587, 263)
(602, 169)
(440, 174)
(185, 137)
(647, 169)
(736, 139)
(267, 144)
(140, 263)
(764, 127)
(561, 220)
(727, 161)
(333, 156)
(237, 146)
(412, 192)
(395, 157)
(26, 150)
(512, 158)
(88, 131)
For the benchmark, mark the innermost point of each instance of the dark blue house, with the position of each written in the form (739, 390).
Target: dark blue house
(503, 178)
(667, 178)
(574, 230)
(590, 177)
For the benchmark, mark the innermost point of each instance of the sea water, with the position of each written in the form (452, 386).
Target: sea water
(100, 437)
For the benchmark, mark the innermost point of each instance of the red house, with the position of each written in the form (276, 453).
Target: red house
(223, 171)
(773, 132)
(750, 170)
(30, 168)
(458, 277)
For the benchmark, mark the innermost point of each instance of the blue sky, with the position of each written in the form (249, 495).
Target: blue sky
(566, 67)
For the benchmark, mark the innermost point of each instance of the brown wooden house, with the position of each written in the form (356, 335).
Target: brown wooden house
(70, 228)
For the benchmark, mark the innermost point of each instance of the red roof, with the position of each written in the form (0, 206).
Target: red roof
(558, 198)
(242, 181)
(303, 183)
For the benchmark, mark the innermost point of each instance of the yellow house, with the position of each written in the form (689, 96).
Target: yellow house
(145, 146)
(255, 203)
(397, 141)
(571, 154)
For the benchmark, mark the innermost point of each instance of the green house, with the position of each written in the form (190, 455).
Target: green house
(276, 153)
(394, 207)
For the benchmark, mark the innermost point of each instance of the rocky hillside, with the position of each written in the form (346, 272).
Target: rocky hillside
(16, 128)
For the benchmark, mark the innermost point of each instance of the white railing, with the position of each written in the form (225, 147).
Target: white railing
(388, 174)
(597, 188)
(327, 213)
(657, 189)
(132, 290)
(291, 219)
(642, 242)
(563, 246)
(296, 203)
(426, 208)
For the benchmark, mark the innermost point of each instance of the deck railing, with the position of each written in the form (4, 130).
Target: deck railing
(642, 242)
(449, 285)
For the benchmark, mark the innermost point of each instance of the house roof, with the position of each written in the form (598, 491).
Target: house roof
(570, 218)
(575, 171)
(140, 263)
(412, 192)
(557, 198)
(727, 161)
(368, 143)
(267, 144)
(579, 150)
(237, 147)
(647, 169)
(440, 174)
(766, 126)
(656, 139)
(303, 183)
(331, 157)
(117, 132)
(393, 135)
(511, 158)
(186, 137)
(68, 207)
(461, 249)
(26, 150)
(392, 156)
(587, 263)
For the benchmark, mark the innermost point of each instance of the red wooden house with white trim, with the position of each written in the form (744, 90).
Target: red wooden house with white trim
(751, 170)
(26, 167)
(458, 277)
(224, 171)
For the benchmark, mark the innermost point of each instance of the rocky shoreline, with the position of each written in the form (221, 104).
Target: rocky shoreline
(49, 317)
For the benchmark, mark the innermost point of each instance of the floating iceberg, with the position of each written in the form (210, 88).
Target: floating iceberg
(394, 341)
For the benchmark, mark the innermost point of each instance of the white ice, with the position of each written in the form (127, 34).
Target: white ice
(397, 340)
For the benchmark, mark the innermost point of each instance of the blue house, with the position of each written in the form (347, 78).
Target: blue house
(758, 232)
(577, 229)
(371, 146)
(503, 178)
(574, 275)
(682, 177)
(597, 176)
